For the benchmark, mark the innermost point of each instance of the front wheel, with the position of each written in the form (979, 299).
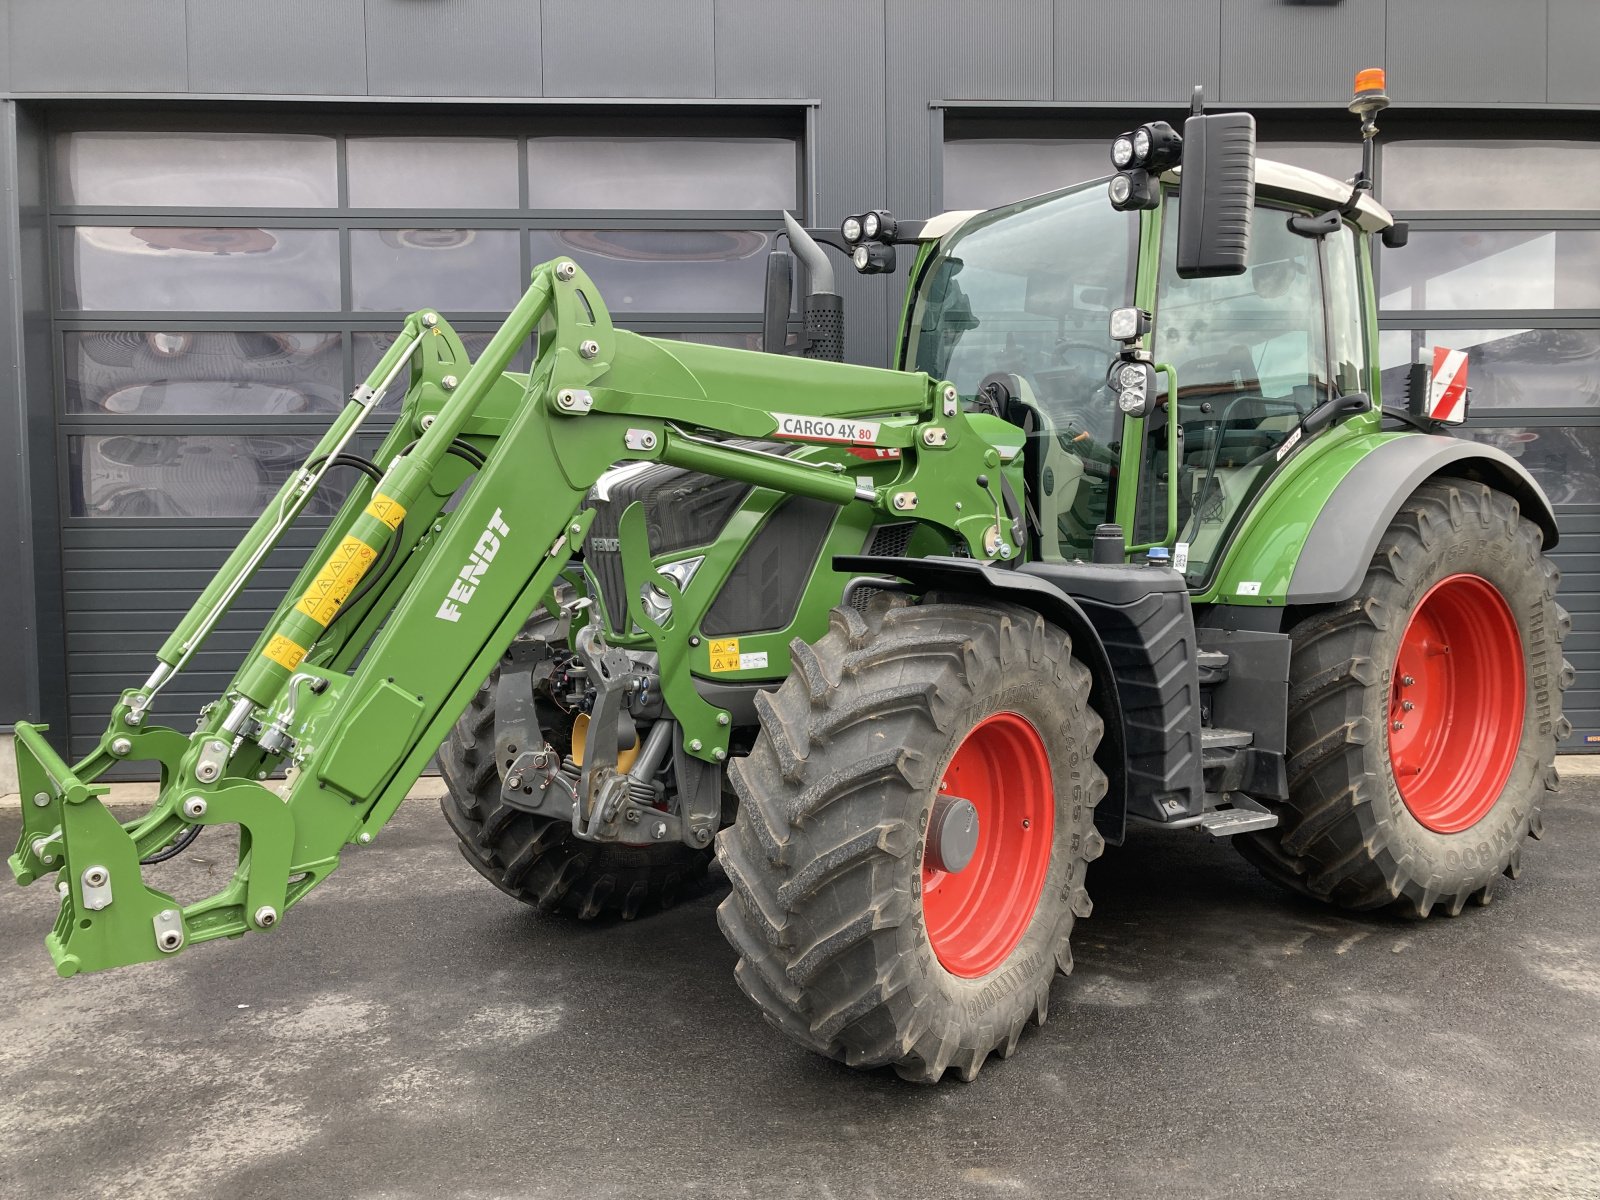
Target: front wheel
(915, 823)
(1424, 714)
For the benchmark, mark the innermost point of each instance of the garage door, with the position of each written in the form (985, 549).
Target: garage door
(220, 288)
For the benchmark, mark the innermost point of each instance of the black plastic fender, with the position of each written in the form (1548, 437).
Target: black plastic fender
(1334, 559)
(976, 578)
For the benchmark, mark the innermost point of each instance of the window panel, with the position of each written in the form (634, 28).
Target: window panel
(432, 173)
(668, 271)
(196, 170)
(1441, 270)
(184, 269)
(457, 270)
(1506, 368)
(1337, 160)
(1565, 459)
(585, 173)
(1448, 176)
(206, 373)
(157, 475)
(986, 173)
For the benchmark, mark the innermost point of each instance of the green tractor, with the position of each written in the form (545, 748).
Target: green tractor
(1127, 537)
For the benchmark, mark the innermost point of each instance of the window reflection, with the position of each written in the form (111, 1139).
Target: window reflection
(457, 270)
(1506, 368)
(1455, 175)
(1493, 269)
(204, 373)
(717, 174)
(196, 170)
(988, 172)
(190, 269)
(154, 475)
(655, 270)
(1565, 459)
(425, 172)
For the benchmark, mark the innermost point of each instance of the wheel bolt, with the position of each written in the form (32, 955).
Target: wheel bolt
(1407, 680)
(1407, 705)
(1397, 726)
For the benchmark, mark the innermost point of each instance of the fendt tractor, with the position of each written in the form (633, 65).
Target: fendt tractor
(1127, 537)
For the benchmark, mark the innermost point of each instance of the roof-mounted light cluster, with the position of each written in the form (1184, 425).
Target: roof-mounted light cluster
(1140, 155)
(871, 237)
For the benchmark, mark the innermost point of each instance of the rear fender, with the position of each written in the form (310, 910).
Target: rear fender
(1310, 537)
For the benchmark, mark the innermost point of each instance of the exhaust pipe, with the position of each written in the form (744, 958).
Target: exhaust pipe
(823, 313)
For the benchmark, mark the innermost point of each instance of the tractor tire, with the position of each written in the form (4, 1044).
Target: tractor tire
(852, 939)
(536, 859)
(1424, 714)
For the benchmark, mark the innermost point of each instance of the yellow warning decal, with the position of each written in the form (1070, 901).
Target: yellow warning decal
(724, 654)
(387, 510)
(336, 580)
(285, 653)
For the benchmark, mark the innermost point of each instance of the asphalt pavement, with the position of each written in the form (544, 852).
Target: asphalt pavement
(408, 1032)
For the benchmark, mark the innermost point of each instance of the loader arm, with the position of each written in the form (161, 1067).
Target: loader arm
(405, 606)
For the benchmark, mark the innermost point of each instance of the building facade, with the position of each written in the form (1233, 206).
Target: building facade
(213, 216)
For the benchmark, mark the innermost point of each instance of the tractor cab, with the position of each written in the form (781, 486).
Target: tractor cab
(1014, 306)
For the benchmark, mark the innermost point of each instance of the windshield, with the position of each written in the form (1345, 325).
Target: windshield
(1026, 291)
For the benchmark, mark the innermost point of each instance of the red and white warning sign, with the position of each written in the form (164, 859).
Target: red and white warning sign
(1447, 386)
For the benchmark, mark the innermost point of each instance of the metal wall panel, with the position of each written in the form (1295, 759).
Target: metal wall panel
(37, 563)
(278, 47)
(813, 60)
(1139, 50)
(98, 46)
(1473, 51)
(16, 587)
(623, 48)
(453, 48)
(1274, 51)
(939, 50)
(1578, 556)
(1574, 48)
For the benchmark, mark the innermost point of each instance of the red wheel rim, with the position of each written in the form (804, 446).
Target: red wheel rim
(976, 917)
(1455, 703)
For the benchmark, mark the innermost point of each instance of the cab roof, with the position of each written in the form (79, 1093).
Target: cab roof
(1279, 180)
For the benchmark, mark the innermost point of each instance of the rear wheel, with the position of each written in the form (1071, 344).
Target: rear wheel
(915, 823)
(1424, 714)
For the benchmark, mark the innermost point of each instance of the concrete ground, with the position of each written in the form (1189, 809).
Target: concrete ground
(409, 1032)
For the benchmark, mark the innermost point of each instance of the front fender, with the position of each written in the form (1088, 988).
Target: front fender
(1311, 535)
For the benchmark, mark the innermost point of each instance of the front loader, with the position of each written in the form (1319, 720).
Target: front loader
(1129, 536)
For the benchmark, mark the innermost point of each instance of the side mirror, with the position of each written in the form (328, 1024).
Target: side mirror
(775, 310)
(1216, 195)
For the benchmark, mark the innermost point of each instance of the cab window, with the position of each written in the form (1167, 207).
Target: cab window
(1251, 355)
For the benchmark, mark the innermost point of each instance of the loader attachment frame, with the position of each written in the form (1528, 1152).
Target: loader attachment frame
(406, 604)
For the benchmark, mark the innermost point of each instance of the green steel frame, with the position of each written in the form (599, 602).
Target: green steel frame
(358, 708)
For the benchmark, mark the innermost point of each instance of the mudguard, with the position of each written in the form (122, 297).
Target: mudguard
(1334, 557)
(1154, 768)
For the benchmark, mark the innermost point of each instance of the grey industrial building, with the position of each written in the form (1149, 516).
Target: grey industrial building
(213, 213)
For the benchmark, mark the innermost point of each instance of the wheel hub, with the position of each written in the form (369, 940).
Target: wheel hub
(952, 834)
(1456, 703)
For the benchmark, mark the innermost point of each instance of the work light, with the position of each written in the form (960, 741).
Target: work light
(1133, 189)
(1122, 151)
(873, 258)
(1134, 382)
(851, 229)
(878, 224)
